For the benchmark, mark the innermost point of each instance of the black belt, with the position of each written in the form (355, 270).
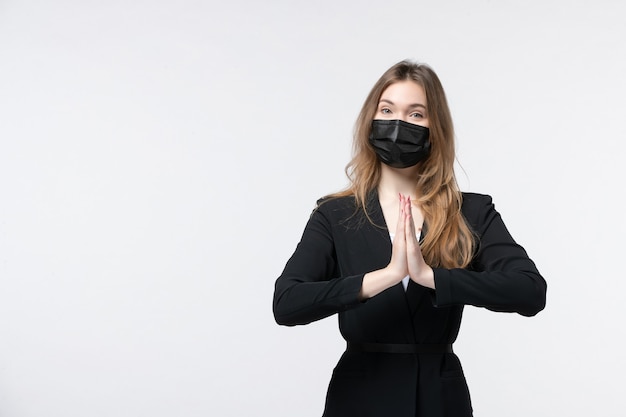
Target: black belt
(399, 348)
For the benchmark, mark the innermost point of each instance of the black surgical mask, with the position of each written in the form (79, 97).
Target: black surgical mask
(399, 144)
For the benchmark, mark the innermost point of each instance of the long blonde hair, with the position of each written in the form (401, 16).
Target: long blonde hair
(449, 242)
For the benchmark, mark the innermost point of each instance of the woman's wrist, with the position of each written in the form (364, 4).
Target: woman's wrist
(426, 277)
(378, 281)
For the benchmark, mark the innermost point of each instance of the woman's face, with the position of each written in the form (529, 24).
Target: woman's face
(404, 100)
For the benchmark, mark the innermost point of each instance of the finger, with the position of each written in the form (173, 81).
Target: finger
(411, 222)
(401, 219)
(408, 226)
(411, 234)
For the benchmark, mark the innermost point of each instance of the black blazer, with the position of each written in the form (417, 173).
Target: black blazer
(324, 277)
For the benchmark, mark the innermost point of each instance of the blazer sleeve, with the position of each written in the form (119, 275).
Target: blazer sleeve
(310, 287)
(502, 276)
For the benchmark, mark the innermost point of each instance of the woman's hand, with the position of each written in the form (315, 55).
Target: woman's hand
(419, 271)
(398, 266)
(406, 258)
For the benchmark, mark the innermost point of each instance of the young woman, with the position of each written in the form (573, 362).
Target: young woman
(398, 254)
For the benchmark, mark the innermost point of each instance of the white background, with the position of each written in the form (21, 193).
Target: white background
(159, 160)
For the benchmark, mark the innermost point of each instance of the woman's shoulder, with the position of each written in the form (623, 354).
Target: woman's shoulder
(476, 199)
(336, 202)
(474, 204)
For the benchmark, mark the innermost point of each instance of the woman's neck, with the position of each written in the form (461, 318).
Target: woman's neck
(397, 180)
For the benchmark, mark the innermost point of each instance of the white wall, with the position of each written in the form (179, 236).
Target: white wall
(159, 159)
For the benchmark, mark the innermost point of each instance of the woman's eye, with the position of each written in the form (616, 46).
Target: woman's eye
(418, 115)
(385, 111)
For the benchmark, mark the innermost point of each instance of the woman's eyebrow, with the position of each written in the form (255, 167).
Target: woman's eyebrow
(384, 100)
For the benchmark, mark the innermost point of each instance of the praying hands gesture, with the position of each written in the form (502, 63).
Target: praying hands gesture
(406, 257)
